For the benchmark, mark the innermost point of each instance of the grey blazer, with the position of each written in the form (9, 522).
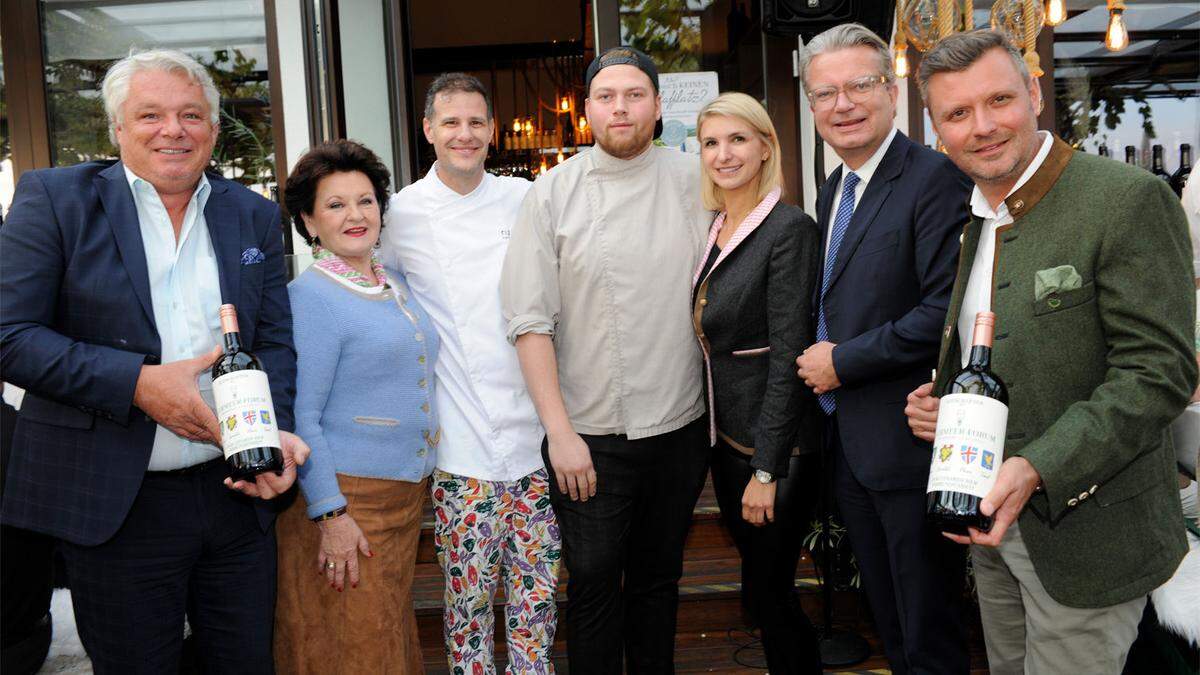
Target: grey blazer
(753, 314)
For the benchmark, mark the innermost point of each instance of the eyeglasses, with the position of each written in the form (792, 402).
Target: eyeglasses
(858, 91)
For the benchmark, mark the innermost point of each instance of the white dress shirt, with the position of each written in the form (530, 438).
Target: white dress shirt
(978, 295)
(185, 291)
(451, 248)
(864, 174)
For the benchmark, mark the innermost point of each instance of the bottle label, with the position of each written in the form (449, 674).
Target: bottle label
(968, 445)
(245, 411)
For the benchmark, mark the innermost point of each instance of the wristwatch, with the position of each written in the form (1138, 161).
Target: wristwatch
(764, 477)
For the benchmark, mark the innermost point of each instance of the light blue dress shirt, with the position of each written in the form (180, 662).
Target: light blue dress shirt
(185, 290)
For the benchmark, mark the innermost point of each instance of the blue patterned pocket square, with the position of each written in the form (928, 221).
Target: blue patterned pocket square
(252, 256)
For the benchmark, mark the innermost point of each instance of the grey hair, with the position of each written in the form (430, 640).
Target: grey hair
(119, 75)
(960, 51)
(845, 36)
(449, 83)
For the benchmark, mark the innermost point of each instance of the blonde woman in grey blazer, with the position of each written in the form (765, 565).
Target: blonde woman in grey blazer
(752, 313)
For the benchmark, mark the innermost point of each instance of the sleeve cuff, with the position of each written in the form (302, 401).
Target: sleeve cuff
(528, 323)
(326, 505)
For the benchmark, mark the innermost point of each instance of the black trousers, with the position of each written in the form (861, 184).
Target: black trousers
(770, 554)
(912, 575)
(623, 549)
(189, 546)
(27, 580)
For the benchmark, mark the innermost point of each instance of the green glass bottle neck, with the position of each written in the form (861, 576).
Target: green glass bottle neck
(981, 357)
(233, 342)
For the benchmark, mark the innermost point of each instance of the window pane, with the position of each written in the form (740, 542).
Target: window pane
(667, 30)
(1142, 96)
(83, 38)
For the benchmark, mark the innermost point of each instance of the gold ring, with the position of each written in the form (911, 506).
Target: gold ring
(330, 565)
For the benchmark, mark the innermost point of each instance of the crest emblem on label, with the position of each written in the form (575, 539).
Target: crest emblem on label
(968, 453)
(945, 452)
(249, 416)
(231, 422)
(988, 459)
(264, 416)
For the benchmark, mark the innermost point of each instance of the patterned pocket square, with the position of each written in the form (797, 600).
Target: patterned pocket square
(252, 256)
(1055, 280)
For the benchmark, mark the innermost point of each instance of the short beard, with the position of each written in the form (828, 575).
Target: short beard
(635, 146)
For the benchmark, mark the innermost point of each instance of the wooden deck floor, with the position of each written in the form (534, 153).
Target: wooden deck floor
(711, 636)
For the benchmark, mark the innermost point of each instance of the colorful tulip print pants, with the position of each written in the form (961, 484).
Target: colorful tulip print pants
(488, 534)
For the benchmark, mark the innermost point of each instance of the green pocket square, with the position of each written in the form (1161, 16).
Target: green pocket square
(1055, 280)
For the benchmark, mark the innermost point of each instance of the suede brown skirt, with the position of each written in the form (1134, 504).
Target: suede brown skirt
(369, 629)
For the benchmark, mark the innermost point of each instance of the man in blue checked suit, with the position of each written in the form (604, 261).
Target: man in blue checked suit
(111, 278)
(890, 215)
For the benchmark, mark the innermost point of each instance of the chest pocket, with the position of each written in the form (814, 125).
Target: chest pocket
(884, 242)
(1058, 301)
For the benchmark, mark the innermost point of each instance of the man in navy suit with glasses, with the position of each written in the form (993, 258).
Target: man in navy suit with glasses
(890, 216)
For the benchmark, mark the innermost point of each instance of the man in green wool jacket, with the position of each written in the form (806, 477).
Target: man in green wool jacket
(1086, 263)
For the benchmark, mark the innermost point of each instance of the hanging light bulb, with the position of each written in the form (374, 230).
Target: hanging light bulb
(1056, 12)
(516, 126)
(565, 105)
(1116, 37)
(582, 122)
(901, 60)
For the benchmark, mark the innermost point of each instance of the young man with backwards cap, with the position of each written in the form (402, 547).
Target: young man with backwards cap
(595, 289)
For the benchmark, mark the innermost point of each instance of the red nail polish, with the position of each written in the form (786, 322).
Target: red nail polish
(339, 590)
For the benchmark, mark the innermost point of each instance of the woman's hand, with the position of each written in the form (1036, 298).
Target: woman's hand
(341, 542)
(758, 503)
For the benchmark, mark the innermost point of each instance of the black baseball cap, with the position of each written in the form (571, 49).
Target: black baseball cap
(624, 56)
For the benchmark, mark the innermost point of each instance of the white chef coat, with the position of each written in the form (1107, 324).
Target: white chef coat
(451, 248)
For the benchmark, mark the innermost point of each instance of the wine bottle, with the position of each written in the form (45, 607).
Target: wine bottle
(1180, 177)
(1103, 150)
(968, 445)
(1131, 155)
(249, 428)
(1156, 164)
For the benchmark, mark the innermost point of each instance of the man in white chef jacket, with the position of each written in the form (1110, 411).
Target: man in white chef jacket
(448, 233)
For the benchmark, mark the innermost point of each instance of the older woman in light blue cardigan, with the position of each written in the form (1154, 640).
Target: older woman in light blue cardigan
(365, 405)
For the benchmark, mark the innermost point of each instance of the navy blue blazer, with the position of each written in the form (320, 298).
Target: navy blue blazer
(77, 324)
(886, 304)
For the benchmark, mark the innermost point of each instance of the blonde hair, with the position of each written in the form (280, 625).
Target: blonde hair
(747, 109)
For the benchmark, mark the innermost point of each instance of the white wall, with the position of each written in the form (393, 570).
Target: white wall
(290, 29)
(364, 77)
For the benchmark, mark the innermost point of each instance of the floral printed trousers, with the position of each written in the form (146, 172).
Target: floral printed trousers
(485, 533)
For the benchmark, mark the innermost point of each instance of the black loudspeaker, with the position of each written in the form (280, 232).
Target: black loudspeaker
(807, 18)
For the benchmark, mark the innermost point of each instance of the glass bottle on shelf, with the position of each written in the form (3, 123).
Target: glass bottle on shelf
(1156, 164)
(1131, 155)
(1180, 177)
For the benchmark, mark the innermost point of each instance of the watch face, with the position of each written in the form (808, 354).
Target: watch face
(763, 477)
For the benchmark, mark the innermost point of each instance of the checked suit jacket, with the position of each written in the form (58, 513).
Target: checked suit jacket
(77, 325)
